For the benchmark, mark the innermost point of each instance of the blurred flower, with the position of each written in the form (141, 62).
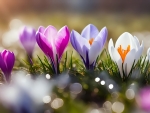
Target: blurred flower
(53, 43)
(27, 39)
(23, 94)
(89, 44)
(148, 55)
(7, 60)
(127, 51)
(143, 99)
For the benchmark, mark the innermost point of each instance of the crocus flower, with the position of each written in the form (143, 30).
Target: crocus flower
(89, 44)
(127, 51)
(7, 60)
(53, 43)
(143, 99)
(27, 39)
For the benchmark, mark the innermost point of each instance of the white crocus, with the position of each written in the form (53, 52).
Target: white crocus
(126, 51)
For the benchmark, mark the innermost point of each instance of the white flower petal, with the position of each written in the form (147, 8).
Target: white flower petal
(115, 54)
(117, 59)
(139, 53)
(148, 54)
(94, 51)
(123, 40)
(133, 44)
(128, 62)
(136, 40)
(110, 44)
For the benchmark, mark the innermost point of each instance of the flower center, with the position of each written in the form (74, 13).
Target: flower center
(123, 52)
(91, 41)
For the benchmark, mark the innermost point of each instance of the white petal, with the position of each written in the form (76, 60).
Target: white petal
(119, 63)
(128, 62)
(148, 54)
(94, 51)
(139, 53)
(115, 54)
(133, 44)
(123, 40)
(117, 59)
(110, 44)
(136, 41)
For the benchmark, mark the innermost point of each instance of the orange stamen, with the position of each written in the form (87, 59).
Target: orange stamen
(91, 41)
(123, 52)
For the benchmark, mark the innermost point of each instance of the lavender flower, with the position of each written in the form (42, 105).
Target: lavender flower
(89, 44)
(27, 39)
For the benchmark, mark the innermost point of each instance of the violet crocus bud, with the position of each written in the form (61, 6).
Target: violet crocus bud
(53, 43)
(143, 99)
(7, 59)
(27, 39)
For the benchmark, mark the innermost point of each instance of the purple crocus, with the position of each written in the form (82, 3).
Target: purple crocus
(27, 39)
(143, 99)
(53, 43)
(89, 44)
(7, 60)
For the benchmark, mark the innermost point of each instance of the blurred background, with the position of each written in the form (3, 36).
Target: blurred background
(117, 15)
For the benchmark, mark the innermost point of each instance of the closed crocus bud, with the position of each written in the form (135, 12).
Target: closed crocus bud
(53, 43)
(89, 44)
(7, 60)
(125, 53)
(27, 39)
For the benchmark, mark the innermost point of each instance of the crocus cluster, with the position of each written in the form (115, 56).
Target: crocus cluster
(89, 45)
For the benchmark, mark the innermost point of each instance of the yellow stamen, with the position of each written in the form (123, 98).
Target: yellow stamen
(91, 41)
(123, 52)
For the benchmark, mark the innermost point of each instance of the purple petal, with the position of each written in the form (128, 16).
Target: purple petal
(79, 43)
(97, 45)
(41, 29)
(94, 51)
(27, 38)
(50, 33)
(90, 31)
(9, 58)
(3, 53)
(44, 44)
(62, 40)
(102, 36)
(2, 64)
